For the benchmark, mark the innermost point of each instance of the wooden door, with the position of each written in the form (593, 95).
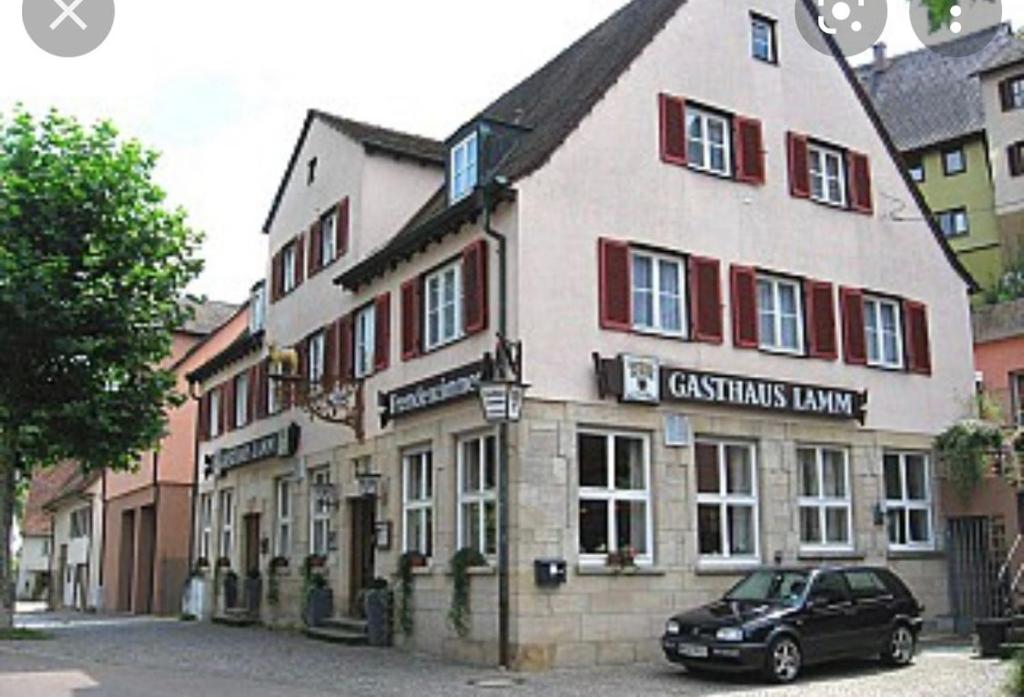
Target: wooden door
(252, 543)
(362, 556)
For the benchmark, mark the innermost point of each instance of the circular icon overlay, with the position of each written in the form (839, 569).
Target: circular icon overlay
(951, 35)
(68, 28)
(856, 25)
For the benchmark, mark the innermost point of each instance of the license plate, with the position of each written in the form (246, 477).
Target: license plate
(692, 651)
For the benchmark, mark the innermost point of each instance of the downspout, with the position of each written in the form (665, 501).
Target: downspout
(103, 529)
(503, 449)
(156, 536)
(195, 480)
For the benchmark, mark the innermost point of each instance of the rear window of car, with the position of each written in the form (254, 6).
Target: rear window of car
(865, 584)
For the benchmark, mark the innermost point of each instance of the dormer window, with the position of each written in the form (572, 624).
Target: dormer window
(463, 172)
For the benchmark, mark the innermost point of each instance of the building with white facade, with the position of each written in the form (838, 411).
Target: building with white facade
(735, 357)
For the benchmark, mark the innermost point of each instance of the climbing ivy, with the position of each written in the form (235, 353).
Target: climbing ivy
(964, 448)
(464, 560)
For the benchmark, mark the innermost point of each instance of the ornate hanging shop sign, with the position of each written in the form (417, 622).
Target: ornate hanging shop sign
(633, 379)
(436, 391)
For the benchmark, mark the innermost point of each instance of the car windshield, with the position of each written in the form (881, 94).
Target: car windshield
(781, 587)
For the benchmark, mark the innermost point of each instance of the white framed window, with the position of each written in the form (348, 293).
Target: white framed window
(317, 357)
(418, 502)
(273, 388)
(728, 527)
(478, 489)
(908, 501)
(614, 496)
(329, 238)
(916, 170)
(81, 523)
(443, 306)
(214, 413)
(659, 302)
(1017, 393)
(365, 340)
(288, 281)
(780, 314)
(954, 223)
(883, 331)
(320, 512)
(762, 38)
(708, 141)
(464, 166)
(241, 400)
(227, 522)
(828, 175)
(205, 526)
(283, 515)
(826, 509)
(1016, 90)
(257, 308)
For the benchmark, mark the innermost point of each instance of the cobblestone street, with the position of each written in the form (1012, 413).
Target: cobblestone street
(101, 656)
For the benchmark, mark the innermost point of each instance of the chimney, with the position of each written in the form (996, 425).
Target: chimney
(881, 63)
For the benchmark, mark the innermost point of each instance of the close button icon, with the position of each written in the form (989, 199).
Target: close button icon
(68, 28)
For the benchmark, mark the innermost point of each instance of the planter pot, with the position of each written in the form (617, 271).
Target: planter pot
(253, 595)
(319, 606)
(230, 592)
(377, 606)
(991, 636)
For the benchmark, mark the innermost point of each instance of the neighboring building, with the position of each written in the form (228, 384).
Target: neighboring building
(76, 511)
(729, 363)
(146, 540)
(999, 357)
(950, 124)
(34, 563)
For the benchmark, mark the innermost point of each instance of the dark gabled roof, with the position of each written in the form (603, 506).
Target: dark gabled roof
(926, 98)
(1010, 54)
(207, 316)
(375, 139)
(243, 345)
(550, 105)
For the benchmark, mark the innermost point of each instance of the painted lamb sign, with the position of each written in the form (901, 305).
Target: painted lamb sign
(645, 381)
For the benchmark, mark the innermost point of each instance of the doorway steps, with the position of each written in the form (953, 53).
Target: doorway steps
(340, 630)
(236, 617)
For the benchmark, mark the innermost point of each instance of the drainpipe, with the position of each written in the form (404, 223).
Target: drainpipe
(195, 481)
(156, 528)
(503, 449)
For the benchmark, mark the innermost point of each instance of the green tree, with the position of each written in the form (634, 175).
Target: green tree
(93, 267)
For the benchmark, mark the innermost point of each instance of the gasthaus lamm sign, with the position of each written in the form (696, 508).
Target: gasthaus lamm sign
(640, 380)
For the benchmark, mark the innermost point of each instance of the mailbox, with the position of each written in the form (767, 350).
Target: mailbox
(550, 573)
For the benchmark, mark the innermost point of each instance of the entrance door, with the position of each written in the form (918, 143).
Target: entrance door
(363, 544)
(252, 543)
(974, 562)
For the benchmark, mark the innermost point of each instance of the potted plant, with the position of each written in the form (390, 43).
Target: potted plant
(377, 603)
(223, 563)
(623, 559)
(253, 591)
(201, 566)
(964, 449)
(278, 563)
(317, 597)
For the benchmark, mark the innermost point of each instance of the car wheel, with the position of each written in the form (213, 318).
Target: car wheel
(784, 660)
(899, 650)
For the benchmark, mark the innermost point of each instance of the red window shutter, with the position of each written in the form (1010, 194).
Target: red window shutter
(474, 287)
(228, 400)
(1015, 155)
(411, 320)
(331, 336)
(342, 225)
(799, 170)
(315, 248)
(382, 325)
(346, 348)
(614, 285)
(859, 175)
(749, 139)
(672, 116)
(260, 387)
(300, 258)
(745, 332)
(254, 390)
(821, 320)
(1006, 94)
(276, 278)
(855, 347)
(706, 300)
(203, 433)
(919, 354)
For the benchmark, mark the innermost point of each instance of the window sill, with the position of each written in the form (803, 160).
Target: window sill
(727, 176)
(830, 555)
(726, 568)
(601, 570)
(427, 570)
(914, 554)
(488, 570)
(659, 334)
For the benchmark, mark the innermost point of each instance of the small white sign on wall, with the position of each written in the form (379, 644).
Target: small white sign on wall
(678, 431)
(641, 380)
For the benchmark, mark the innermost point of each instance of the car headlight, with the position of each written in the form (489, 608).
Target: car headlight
(729, 634)
(672, 628)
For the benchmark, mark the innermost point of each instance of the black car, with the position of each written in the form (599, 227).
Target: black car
(776, 621)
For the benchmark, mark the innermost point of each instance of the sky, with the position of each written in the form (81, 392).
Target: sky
(221, 88)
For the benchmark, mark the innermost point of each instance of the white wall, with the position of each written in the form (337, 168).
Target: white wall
(608, 180)
(1004, 129)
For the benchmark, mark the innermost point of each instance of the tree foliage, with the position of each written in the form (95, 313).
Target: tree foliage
(93, 267)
